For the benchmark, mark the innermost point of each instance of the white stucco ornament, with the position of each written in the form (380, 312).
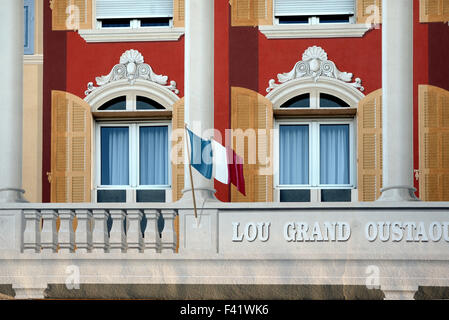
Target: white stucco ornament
(315, 64)
(132, 67)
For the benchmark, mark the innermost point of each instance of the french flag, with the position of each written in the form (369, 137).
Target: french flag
(211, 159)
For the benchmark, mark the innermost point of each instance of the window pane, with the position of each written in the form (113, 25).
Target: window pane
(329, 101)
(155, 22)
(294, 19)
(294, 154)
(114, 104)
(147, 104)
(339, 195)
(334, 154)
(334, 19)
(114, 156)
(115, 23)
(301, 101)
(154, 155)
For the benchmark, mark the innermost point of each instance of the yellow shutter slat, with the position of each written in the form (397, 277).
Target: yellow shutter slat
(366, 11)
(252, 123)
(251, 12)
(178, 13)
(178, 150)
(70, 148)
(434, 10)
(71, 14)
(433, 143)
(370, 146)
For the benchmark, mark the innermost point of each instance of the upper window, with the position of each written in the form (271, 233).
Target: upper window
(316, 151)
(134, 13)
(28, 11)
(314, 12)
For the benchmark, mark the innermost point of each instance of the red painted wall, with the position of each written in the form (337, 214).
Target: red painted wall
(221, 83)
(243, 57)
(438, 50)
(420, 76)
(360, 56)
(55, 62)
(85, 61)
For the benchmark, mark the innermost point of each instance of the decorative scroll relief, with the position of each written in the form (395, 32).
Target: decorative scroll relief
(132, 67)
(315, 64)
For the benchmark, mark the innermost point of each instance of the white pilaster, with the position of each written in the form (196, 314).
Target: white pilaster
(11, 54)
(199, 84)
(397, 86)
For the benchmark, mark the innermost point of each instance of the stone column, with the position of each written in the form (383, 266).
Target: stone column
(199, 85)
(11, 90)
(397, 112)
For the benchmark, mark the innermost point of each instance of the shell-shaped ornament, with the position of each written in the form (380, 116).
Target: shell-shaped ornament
(314, 53)
(131, 56)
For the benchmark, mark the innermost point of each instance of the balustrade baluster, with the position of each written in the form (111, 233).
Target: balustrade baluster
(66, 233)
(117, 235)
(49, 234)
(32, 233)
(134, 231)
(83, 234)
(168, 239)
(152, 238)
(100, 236)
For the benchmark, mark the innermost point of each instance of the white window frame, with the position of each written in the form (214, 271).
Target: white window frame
(134, 33)
(314, 153)
(315, 29)
(315, 20)
(133, 24)
(134, 154)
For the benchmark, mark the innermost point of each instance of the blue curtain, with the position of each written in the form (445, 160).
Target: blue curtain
(334, 154)
(154, 155)
(294, 154)
(114, 156)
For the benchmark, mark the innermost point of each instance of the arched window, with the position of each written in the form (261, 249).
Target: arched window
(131, 147)
(315, 149)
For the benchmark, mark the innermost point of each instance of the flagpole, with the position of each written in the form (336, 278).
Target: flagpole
(190, 171)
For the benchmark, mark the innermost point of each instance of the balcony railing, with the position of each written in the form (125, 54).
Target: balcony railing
(99, 230)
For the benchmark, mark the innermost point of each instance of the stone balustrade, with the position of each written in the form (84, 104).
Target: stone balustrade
(98, 230)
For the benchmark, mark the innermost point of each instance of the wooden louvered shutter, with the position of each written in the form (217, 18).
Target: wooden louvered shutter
(71, 14)
(251, 12)
(71, 127)
(434, 10)
(178, 150)
(433, 143)
(252, 112)
(369, 163)
(366, 12)
(178, 13)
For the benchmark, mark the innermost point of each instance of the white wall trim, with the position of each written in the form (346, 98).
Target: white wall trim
(132, 35)
(336, 30)
(122, 87)
(293, 88)
(33, 59)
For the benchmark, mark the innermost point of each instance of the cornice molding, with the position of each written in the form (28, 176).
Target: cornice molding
(315, 64)
(130, 35)
(336, 30)
(132, 68)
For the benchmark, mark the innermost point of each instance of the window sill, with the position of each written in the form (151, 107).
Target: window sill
(336, 30)
(128, 35)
